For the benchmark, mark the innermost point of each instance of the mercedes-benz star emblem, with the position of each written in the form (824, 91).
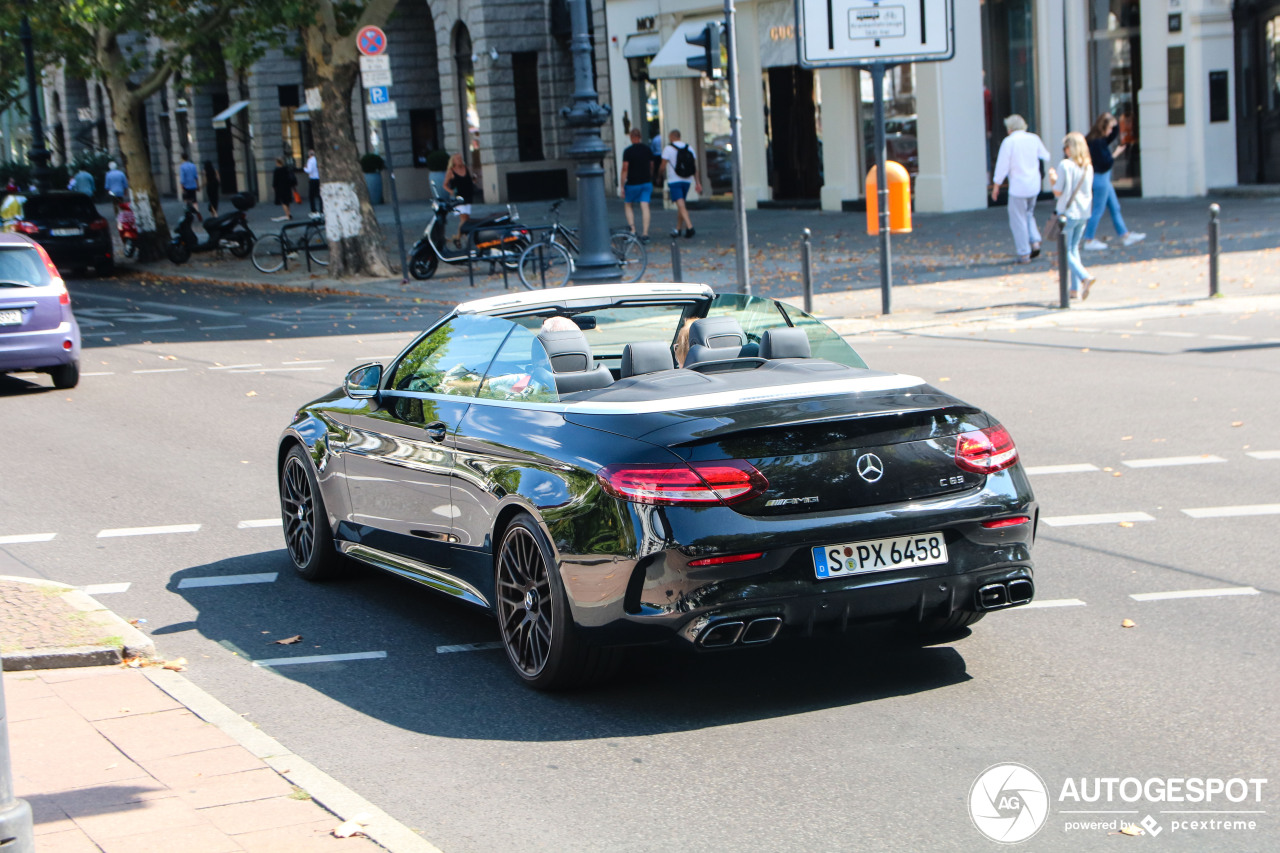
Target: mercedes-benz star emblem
(870, 468)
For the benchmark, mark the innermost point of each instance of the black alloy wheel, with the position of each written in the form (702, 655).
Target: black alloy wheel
(306, 526)
(533, 615)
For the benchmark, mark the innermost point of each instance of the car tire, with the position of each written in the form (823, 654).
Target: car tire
(538, 633)
(307, 534)
(65, 376)
(945, 626)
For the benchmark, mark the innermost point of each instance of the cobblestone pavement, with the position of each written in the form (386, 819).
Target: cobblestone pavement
(34, 618)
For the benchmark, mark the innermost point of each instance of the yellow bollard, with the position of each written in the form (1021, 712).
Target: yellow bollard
(899, 200)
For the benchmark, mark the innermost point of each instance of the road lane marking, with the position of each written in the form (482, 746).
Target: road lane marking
(320, 659)
(1260, 454)
(1228, 337)
(164, 370)
(311, 361)
(1103, 518)
(227, 580)
(1074, 468)
(100, 373)
(1233, 511)
(1168, 461)
(467, 647)
(105, 588)
(1054, 602)
(233, 366)
(1178, 334)
(260, 522)
(147, 531)
(210, 312)
(163, 331)
(373, 357)
(21, 538)
(1194, 593)
(220, 328)
(274, 369)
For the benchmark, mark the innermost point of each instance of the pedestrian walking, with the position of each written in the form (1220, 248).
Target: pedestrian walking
(459, 182)
(1074, 190)
(1104, 132)
(637, 182)
(189, 180)
(681, 165)
(212, 187)
(283, 180)
(116, 184)
(1019, 160)
(313, 182)
(83, 182)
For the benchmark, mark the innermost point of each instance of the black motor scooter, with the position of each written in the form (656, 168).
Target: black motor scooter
(496, 239)
(229, 231)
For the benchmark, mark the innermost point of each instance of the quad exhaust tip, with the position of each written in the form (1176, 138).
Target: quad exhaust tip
(755, 632)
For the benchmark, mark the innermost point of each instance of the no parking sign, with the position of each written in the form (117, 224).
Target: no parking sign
(371, 41)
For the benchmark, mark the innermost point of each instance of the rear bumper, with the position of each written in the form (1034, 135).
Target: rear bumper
(40, 350)
(79, 252)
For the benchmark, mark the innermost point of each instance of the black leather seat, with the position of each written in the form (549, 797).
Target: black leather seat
(646, 357)
(785, 343)
(714, 339)
(571, 361)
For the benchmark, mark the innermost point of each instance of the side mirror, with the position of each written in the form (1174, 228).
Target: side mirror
(362, 382)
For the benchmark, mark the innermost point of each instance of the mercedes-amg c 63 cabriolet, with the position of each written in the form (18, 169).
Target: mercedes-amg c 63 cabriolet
(618, 465)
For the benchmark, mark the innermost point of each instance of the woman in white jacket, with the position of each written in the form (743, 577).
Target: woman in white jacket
(1074, 189)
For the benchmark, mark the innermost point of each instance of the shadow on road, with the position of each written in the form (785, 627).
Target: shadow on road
(474, 695)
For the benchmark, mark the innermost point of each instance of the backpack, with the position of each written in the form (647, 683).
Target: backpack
(686, 163)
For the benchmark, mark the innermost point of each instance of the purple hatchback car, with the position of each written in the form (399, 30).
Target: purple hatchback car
(37, 329)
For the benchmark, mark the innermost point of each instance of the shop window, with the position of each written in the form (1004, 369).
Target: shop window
(290, 128)
(899, 118)
(422, 135)
(1008, 68)
(717, 139)
(1115, 77)
(524, 68)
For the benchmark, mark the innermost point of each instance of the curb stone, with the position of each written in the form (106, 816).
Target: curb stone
(135, 643)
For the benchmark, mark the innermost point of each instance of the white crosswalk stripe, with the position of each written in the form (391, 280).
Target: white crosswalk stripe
(320, 659)
(1233, 511)
(147, 531)
(1170, 461)
(1194, 593)
(1100, 518)
(228, 580)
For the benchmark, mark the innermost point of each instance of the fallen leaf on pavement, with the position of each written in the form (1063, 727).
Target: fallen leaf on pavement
(1128, 623)
(287, 641)
(169, 357)
(251, 393)
(1237, 423)
(1131, 830)
(1126, 523)
(346, 829)
(176, 665)
(1126, 438)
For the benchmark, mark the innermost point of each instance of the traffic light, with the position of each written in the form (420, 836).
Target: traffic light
(709, 41)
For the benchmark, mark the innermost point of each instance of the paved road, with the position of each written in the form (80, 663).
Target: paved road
(1152, 448)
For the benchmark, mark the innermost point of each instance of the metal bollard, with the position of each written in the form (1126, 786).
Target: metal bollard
(806, 270)
(677, 274)
(1064, 272)
(1214, 210)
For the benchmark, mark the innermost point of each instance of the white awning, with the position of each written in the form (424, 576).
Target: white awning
(641, 44)
(670, 61)
(220, 120)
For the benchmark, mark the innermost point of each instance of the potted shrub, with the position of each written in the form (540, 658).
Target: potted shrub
(372, 165)
(437, 165)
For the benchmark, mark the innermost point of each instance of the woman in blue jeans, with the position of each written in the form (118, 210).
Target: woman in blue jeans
(1074, 190)
(1101, 135)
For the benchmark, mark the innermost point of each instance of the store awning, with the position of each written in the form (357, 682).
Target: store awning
(670, 60)
(641, 44)
(220, 120)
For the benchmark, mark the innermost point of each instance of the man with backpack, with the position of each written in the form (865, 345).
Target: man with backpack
(681, 167)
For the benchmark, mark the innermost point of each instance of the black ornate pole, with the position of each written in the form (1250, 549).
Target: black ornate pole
(597, 262)
(37, 153)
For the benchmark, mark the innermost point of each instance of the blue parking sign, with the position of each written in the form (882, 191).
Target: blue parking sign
(379, 94)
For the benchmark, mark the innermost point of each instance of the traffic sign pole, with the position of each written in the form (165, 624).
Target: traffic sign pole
(375, 74)
(882, 191)
(395, 205)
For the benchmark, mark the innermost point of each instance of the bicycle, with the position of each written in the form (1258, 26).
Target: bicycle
(550, 260)
(272, 251)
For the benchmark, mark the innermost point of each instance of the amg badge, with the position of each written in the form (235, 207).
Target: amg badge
(791, 501)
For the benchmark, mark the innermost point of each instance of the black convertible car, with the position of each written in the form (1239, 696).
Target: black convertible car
(618, 465)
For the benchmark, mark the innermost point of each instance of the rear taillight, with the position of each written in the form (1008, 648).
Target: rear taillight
(727, 481)
(64, 298)
(54, 275)
(98, 225)
(999, 523)
(985, 451)
(728, 558)
(24, 227)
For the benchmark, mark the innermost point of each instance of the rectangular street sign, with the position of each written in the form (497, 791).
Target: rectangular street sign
(369, 79)
(379, 95)
(381, 112)
(381, 62)
(862, 32)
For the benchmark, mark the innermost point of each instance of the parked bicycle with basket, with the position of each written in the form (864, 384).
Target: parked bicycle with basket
(549, 262)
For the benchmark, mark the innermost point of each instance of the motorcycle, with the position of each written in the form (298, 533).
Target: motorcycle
(229, 231)
(127, 226)
(496, 239)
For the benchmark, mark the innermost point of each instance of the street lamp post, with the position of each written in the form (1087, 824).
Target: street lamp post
(596, 262)
(37, 153)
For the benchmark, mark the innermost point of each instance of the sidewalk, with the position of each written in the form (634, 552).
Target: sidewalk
(953, 268)
(117, 758)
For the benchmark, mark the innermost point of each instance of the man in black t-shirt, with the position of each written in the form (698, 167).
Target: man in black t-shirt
(637, 182)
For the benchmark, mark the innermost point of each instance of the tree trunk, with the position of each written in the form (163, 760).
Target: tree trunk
(355, 237)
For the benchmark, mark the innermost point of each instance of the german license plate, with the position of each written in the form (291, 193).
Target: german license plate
(65, 232)
(879, 555)
(10, 318)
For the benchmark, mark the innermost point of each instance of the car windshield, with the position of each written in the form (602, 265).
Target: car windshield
(611, 329)
(20, 266)
(70, 206)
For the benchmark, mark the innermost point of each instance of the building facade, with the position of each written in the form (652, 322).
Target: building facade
(1193, 82)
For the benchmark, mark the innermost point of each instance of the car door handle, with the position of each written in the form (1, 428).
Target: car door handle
(436, 431)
